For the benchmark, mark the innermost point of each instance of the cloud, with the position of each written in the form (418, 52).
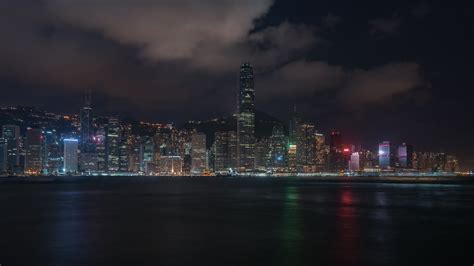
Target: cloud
(354, 87)
(166, 55)
(385, 26)
(379, 84)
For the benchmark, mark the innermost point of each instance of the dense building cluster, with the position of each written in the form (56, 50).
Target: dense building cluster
(86, 144)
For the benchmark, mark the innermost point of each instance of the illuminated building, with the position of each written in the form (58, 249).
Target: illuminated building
(337, 160)
(147, 151)
(405, 156)
(88, 155)
(225, 151)
(187, 158)
(112, 145)
(246, 119)
(198, 153)
(70, 156)
(385, 155)
(306, 148)
(101, 149)
(278, 149)
(52, 156)
(354, 163)
(171, 165)
(262, 154)
(33, 156)
(11, 134)
(292, 157)
(293, 130)
(321, 152)
(3, 155)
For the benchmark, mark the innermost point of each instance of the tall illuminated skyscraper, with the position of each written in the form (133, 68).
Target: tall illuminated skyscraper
(278, 149)
(113, 144)
(385, 155)
(70, 156)
(306, 147)
(198, 153)
(11, 133)
(3, 155)
(34, 156)
(88, 158)
(246, 119)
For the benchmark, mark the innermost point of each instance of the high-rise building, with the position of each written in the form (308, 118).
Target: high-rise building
(3, 155)
(278, 158)
(306, 148)
(337, 160)
(385, 155)
(220, 151)
(101, 149)
(246, 119)
(34, 155)
(225, 151)
(354, 163)
(113, 144)
(405, 156)
(198, 153)
(11, 133)
(70, 156)
(262, 154)
(147, 152)
(52, 155)
(88, 157)
(171, 165)
(322, 152)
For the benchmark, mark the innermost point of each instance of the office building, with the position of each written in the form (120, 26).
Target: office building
(71, 156)
(278, 157)
(33, 155)
(113, 144)
(246, 119)
(11, 133)
(198, 153)
(3, 155)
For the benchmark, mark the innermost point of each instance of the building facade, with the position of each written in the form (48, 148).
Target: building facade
(246, 119)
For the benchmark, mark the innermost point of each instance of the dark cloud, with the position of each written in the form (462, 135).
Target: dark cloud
(164, 55)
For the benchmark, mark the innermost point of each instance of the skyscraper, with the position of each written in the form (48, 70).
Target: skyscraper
(52, 155)
(198, 153)
(225, 147)
(11, 134)
(336, 156)
(70, 156)
(33, 156)
(88, 156)
(112, 144)
(385, 155)
(246, 119)
(101, 149)
(306, 148)
(278, 149)
(3, 155)
(321, 152)
(405, 156)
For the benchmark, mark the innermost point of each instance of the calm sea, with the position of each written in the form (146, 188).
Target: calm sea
(205, 221)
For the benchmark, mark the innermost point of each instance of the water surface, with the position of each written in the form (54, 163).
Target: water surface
(204, 221)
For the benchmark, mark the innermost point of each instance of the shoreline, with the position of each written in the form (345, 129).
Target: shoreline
(461, 180)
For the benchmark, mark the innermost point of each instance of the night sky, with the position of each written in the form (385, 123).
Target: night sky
(375, 70)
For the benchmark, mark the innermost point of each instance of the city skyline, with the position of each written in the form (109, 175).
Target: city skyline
(95, 145)
(398, 70)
